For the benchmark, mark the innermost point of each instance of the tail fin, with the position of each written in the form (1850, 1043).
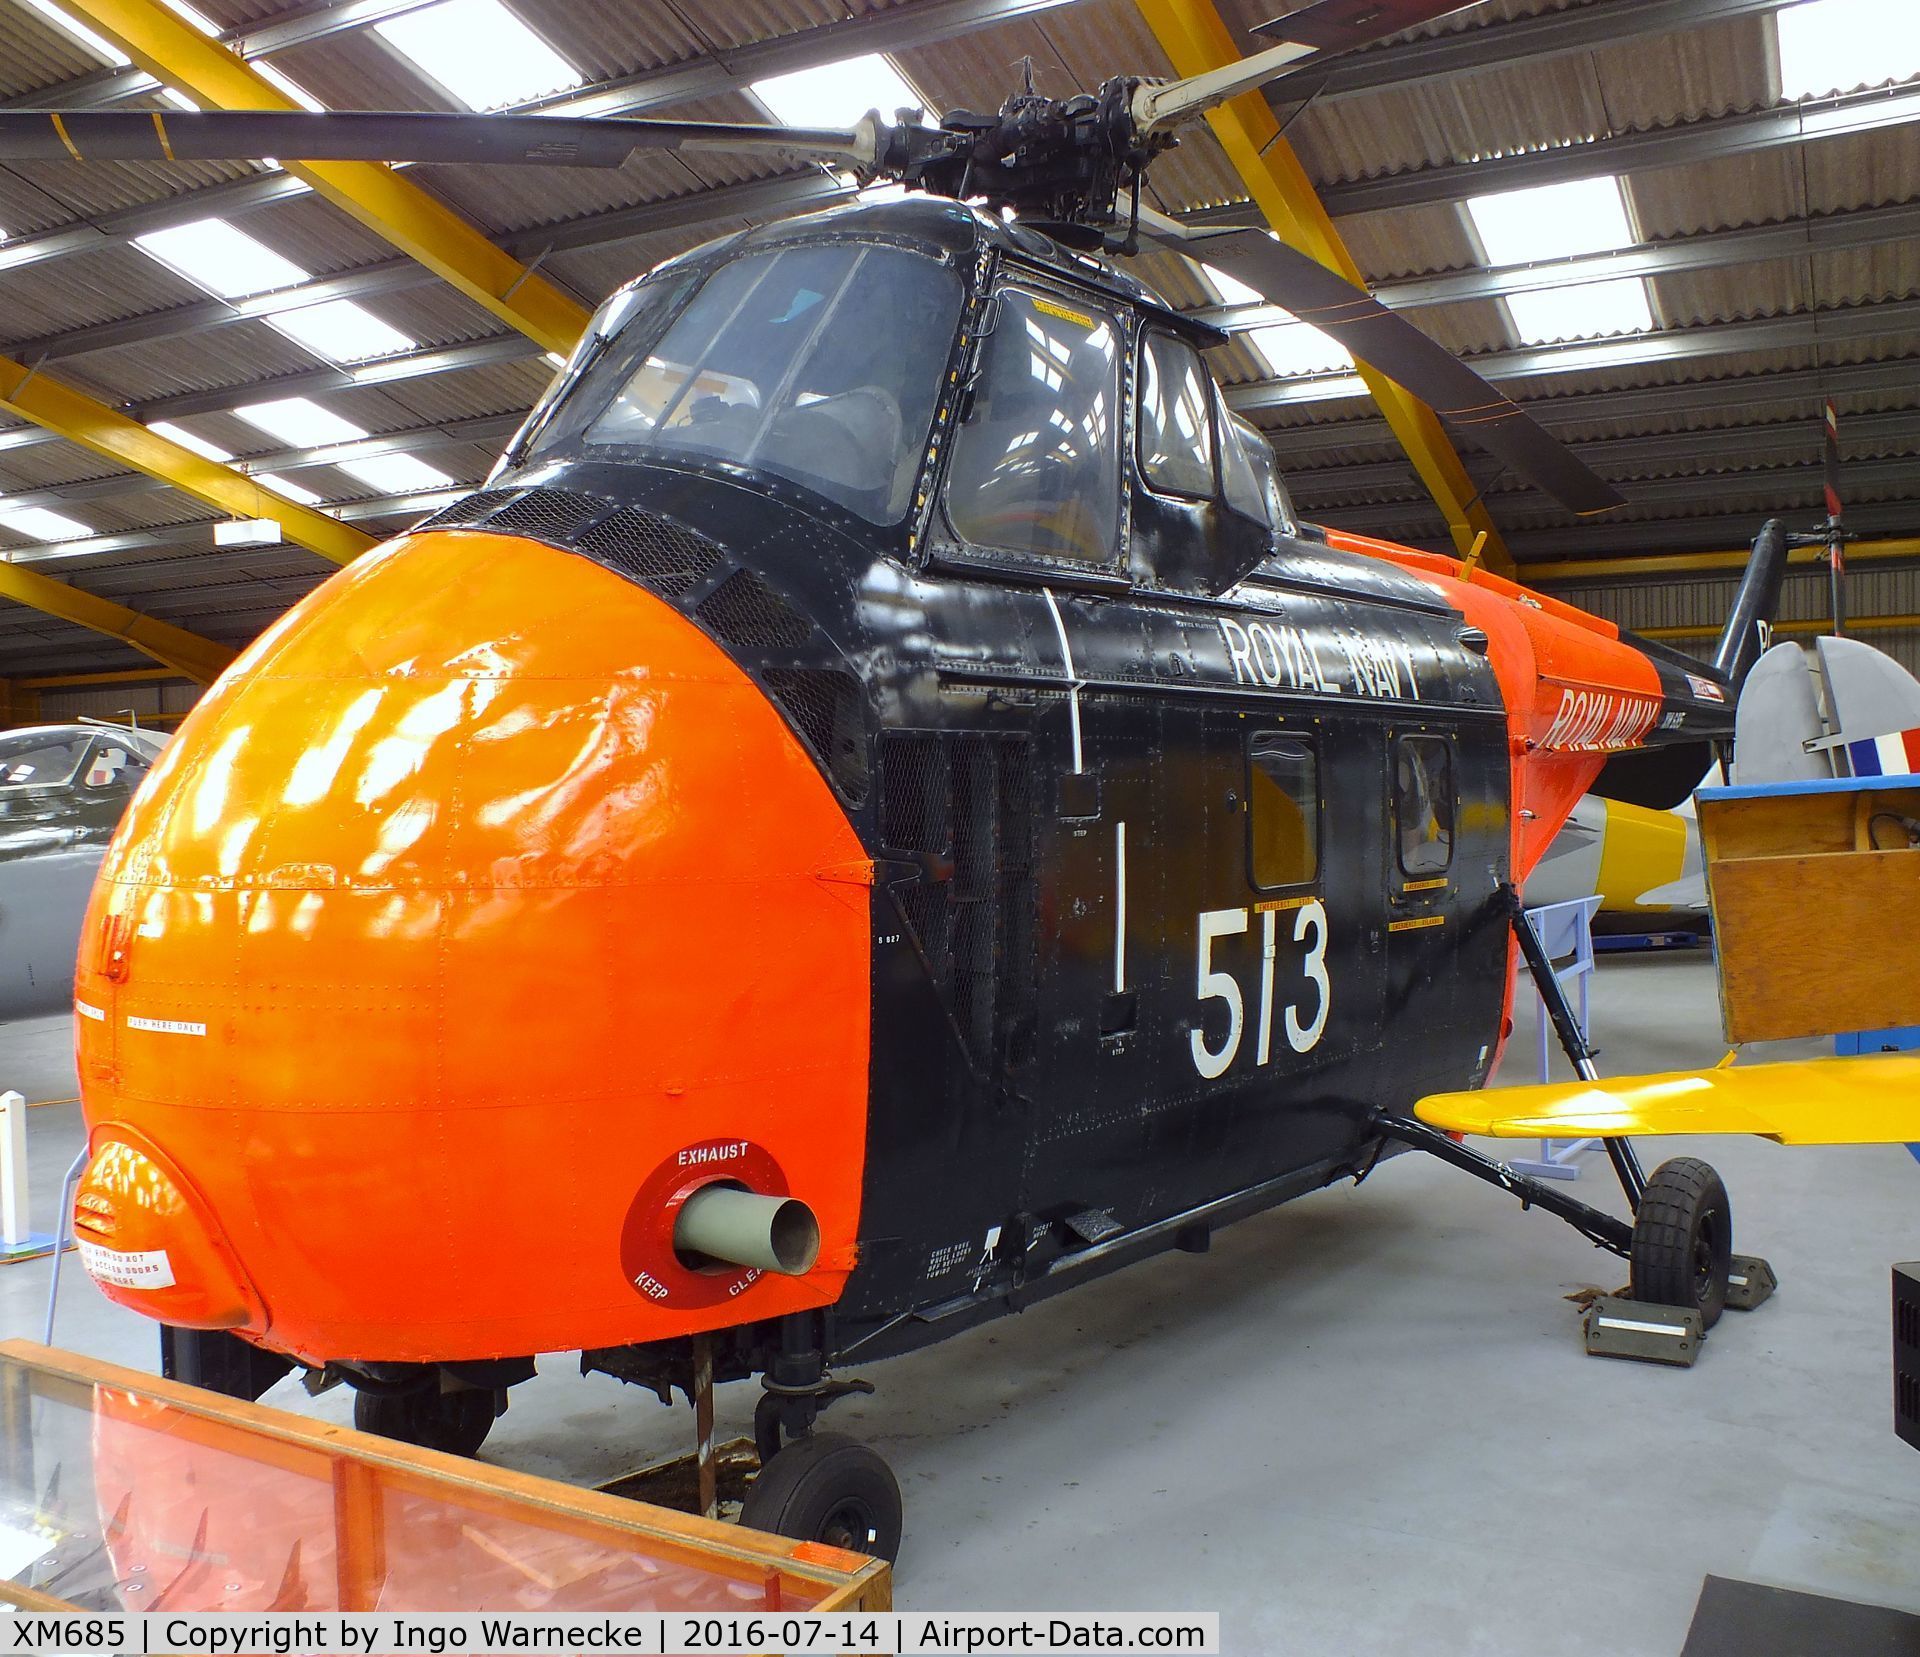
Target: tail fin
(1754, 605)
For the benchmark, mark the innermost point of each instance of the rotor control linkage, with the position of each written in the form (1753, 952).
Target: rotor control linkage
(1579, 1051)
(1603, 1230)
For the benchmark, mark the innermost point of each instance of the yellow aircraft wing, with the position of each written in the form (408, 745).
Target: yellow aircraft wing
(1870, 1100)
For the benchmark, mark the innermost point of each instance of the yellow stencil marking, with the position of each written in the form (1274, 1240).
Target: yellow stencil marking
(1048, 307)
(1414, 922)
(1433, 885)
(1283, 903)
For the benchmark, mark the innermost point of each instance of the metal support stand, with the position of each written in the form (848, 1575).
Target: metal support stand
(703, 1425)
(1564, 930)
(1573, 1040)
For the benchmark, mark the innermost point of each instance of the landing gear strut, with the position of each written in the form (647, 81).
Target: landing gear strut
(818, 1487)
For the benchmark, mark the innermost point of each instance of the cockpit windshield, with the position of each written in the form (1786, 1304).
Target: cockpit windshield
(41, 759)
(820, 363)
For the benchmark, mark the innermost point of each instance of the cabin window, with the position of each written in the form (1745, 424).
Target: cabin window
(819, 363)
(1036, 468)
(1423, 802)
(1239, 483)
(1283, 809)
(1176, 417)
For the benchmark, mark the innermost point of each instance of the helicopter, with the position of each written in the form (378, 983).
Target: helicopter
(876, 812)
(62, 790)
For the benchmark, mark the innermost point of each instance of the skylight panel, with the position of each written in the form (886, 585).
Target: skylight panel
(837, 94)
(1295, 347)
(396, 474)
(299, 493)
(1229, 289)
(300, 422)
(341, 331)
(1552, 221)
(479, 52)
(1585, 312)
(41, 524)
(1564, 221)
(229, 262)
(1839, 45)
(186, 440)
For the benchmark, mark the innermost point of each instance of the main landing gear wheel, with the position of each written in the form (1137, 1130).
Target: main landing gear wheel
(1683, 1239)
(454, 1422)
(828, 1488)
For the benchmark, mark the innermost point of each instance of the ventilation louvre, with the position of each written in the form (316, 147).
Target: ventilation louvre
(826, 707)
(470, 509)
(969, 798)
(1906, 1352)
(650, 550)
(555, 515)
(743, 610)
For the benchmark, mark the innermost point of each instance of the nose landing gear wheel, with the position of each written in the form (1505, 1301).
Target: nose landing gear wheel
(1683, 1239)
(454, 1422)
(828, 1488)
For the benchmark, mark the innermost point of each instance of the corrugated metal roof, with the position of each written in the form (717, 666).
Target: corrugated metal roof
(1639, 84)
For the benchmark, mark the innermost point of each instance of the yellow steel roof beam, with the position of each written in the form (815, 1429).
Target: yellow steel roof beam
(174, 647)
(1195, 40)
(106, 431)
(1704, 563)
(423, 228)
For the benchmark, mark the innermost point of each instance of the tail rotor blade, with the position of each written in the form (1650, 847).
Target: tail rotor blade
(1382, 338)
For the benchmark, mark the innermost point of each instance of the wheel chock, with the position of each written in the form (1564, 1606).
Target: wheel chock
(1750, 1281)
(1617, 1328)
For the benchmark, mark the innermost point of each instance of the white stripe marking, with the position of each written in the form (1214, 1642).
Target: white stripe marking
(1073, 684)
(1120, 908)
(1644, 1328)
(167, 1026)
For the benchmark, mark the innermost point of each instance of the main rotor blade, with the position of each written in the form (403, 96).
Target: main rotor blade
(1323, 28)
(1299, 283)
(366, 135)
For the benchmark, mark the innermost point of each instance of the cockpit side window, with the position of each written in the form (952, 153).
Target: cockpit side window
(41, 759)
(1035, 467)
(1176, 417)
(820, 363)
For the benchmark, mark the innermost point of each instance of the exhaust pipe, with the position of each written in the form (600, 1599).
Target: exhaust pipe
(722, 1222)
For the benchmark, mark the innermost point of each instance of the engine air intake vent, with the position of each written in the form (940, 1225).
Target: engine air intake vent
(826, 707)
(746, 612)
(650, 550)
(469, 509)
(552, 515)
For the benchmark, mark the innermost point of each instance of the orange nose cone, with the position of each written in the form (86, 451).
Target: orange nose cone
(482, 910)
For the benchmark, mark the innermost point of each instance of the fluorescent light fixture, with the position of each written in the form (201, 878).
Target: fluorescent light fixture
(1583, 312)
(197, 19)
(297, 492)
(211, 253)
(554, 358)
(836, 94)
(247, 532)
(479, 52)
(178, 99)
(1839, 45)
(40, 524)
(341, 331)
(300, 422)
(286, 83)
(1552, 221)
(1564, 221)
(186, 440)
(395, 474)
(103, 49)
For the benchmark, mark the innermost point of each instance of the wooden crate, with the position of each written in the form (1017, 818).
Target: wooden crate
(1816, 929)
(122, 1477)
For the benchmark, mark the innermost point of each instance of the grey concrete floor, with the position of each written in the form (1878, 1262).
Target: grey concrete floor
(1362, 1423)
